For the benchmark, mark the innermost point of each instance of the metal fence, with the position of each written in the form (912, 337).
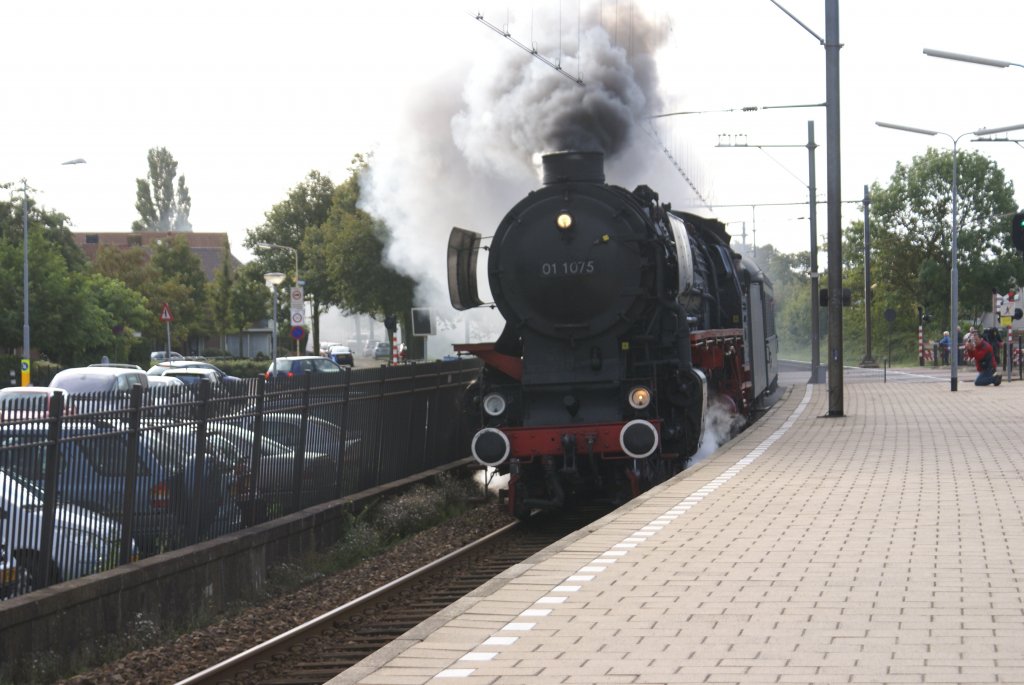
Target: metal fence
(88, 482)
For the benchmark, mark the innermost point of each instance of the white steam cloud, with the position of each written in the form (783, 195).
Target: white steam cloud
(468, 150)
(720, 424)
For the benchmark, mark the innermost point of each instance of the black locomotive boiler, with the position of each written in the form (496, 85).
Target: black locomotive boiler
(624, 322)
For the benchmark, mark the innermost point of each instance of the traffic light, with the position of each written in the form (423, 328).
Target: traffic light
(1017, 231)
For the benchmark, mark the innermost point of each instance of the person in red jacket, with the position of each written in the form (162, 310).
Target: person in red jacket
(984, 360)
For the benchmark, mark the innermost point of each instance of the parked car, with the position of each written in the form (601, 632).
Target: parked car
(12, 579)
(297, 366)
(286, 428)
(84, 541)
(342, 355)
(162, 356)
(165, 366)
(192, 376)
(161, 382)
(100, 378)
(93, 472)
(382, 350)
(191, 372)
(233, 444)
(30, 401)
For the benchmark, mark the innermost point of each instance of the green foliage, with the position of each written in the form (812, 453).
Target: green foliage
(242, 368)
(351, 247)
(249, 298)
(220, 293)
(180, 280)
(390, 520)
(911, 227)
(162, 208)
(287, 223)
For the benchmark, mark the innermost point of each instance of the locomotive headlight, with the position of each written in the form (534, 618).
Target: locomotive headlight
(564, 221)
(639, 397)
(494, 404)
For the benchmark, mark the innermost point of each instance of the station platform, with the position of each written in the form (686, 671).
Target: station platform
(882, 546)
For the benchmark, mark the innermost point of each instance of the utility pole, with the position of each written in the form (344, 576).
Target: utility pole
(835, 229)
(868, 362)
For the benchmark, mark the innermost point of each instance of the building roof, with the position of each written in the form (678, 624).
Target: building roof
(209, 247)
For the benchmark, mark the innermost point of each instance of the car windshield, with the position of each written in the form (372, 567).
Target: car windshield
(86, 383)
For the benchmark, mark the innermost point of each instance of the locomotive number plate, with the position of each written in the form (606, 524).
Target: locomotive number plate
(580, 267)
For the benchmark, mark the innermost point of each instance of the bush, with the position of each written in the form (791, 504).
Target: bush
(10, 371)
(390, 520)
(243, 368)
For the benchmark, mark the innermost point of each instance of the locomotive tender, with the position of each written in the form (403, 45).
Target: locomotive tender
(626, 322)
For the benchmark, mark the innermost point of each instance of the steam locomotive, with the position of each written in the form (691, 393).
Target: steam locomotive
(625, 323)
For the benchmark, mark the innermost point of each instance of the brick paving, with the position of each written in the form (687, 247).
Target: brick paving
(884, 546)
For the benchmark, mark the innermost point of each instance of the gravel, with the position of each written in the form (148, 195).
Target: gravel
(256, 623)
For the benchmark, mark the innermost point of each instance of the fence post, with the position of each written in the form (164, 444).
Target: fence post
(300, 447)
(131, 472)
(194, 513)
(254, 457)
(52, 468)
(339, 470)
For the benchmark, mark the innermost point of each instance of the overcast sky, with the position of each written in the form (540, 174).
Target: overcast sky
(250, 96)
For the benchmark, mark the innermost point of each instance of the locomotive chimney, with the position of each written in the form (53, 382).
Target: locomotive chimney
(563, 167)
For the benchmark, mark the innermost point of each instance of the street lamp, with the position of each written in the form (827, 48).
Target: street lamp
(954, 276)
(26, 330)
(298, 284)
(1002, 64)
(274, 279)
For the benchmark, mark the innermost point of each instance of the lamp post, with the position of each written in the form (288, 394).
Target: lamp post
(26, 329)
(274, 279)
(298, 283)
(954, 277)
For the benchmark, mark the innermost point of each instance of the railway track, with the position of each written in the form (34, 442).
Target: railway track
(321, 648)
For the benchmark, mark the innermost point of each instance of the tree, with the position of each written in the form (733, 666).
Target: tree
(307, 207)
(180, 282)
(220, 294)
(911, 234)
(790, 277)
(351, 252)
(250, 300)
(160, 207)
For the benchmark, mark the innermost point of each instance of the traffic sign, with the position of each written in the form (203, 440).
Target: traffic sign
(297, 296)
(298, 318)
(298, 332)
(165, 313)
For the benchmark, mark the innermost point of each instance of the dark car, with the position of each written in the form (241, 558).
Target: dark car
(341, 354)
(93, 472)
(298, 366)
(166, 366)
(273, 490)
(191, 372)
(286, 428)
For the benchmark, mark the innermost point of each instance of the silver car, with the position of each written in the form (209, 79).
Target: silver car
(84, 541)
